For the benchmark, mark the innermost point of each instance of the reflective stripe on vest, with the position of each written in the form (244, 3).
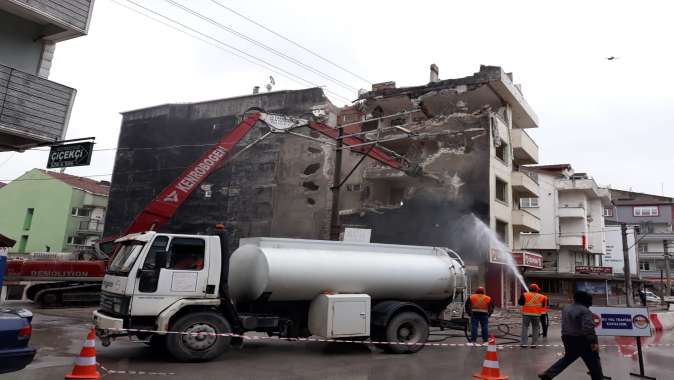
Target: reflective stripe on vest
(479, 303)
(533, 304)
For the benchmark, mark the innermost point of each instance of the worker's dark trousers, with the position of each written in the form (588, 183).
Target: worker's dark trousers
(483, 320)
(577, 347)
(545, 321)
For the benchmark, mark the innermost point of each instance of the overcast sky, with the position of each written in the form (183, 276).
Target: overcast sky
(612, 119)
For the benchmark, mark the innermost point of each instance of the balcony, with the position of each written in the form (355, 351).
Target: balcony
(572, 240)
(32, 109)
(61, 20)
(525, 221)
(524, 185)
(572, 212)
(90, 227)
(525, 150)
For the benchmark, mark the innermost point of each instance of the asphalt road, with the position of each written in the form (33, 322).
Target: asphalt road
(58, 335)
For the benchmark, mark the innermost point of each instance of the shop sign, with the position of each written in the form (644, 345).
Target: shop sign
(585, 269)
(528, 259)
(621, 321)
(63, 156)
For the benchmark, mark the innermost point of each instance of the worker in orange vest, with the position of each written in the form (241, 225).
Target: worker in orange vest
(479, 307)
(533, 303)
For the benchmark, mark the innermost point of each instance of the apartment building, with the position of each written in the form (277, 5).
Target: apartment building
(51, 211)
(33, 109)
(652, 215)
(571, 239)
(464, 141)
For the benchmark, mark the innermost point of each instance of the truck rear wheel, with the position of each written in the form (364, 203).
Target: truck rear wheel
(190, 346)
(407, 327)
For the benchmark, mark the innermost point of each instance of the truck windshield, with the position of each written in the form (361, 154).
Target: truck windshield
(126, 256)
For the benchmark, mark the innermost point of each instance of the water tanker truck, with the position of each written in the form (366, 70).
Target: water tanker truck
(192, 286)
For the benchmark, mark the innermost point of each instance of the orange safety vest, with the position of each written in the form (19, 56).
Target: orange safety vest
(533, 304)
(479, 303)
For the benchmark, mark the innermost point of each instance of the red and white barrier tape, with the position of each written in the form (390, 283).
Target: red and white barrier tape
(130, 372)
(327, 340)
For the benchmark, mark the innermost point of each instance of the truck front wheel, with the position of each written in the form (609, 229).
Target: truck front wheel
(406, 328)
(194, 340)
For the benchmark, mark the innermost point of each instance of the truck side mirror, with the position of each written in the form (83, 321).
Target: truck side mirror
(160, 260)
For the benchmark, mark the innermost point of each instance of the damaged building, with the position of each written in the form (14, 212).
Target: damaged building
(461, 142)
(279, 187)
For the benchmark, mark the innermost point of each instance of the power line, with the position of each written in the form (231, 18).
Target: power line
(262, 45)
(291, 41)
(241, 54)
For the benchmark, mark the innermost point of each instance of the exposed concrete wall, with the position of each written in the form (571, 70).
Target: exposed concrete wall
(450, 142)
(261, 193)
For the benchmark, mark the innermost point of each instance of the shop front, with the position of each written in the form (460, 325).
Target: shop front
(605, 287)
(505, 275)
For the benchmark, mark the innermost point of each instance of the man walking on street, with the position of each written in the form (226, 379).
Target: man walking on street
(579, 338)
(532, 304)
(479, 307)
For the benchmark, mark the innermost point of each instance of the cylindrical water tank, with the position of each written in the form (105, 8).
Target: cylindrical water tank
(296, 270)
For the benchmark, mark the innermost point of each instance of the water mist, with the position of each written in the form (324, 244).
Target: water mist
(484, 234)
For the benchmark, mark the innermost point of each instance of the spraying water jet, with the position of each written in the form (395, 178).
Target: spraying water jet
(485, 234)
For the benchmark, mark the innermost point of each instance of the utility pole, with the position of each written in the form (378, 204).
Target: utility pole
(668, 284)
(335, 227)
(626, 267)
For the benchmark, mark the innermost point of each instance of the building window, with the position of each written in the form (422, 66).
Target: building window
(645, 211)
(79, 211)
(502, 152)
(528, 202)
(608, 211)
(643, 247)
(501, 190)
(353, 187)
(76, 240)
(644, 265)
(502, 231)
(28, 220)
(23, 242)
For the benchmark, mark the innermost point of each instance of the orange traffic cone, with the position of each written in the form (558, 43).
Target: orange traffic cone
(85, 364)
(490, 369)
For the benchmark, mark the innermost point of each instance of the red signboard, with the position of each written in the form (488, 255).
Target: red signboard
(584, 269)
(528, 259)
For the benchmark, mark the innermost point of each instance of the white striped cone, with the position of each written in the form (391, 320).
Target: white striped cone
(490, 368)
(85, 363)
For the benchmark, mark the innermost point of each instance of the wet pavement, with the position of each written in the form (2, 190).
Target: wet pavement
(58, 335)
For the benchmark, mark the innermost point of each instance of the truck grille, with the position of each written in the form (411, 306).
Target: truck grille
(114, 304)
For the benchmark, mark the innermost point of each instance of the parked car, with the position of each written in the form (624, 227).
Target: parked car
(15, 330)
(652, 297)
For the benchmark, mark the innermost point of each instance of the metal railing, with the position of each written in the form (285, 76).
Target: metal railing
(91, 225)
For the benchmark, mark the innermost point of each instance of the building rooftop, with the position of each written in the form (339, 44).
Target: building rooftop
(633, 198)
(86, 184)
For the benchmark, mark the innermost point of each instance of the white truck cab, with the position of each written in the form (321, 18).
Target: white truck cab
(151, 272)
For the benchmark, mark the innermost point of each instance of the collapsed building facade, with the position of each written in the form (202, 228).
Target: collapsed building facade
(462, 142)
